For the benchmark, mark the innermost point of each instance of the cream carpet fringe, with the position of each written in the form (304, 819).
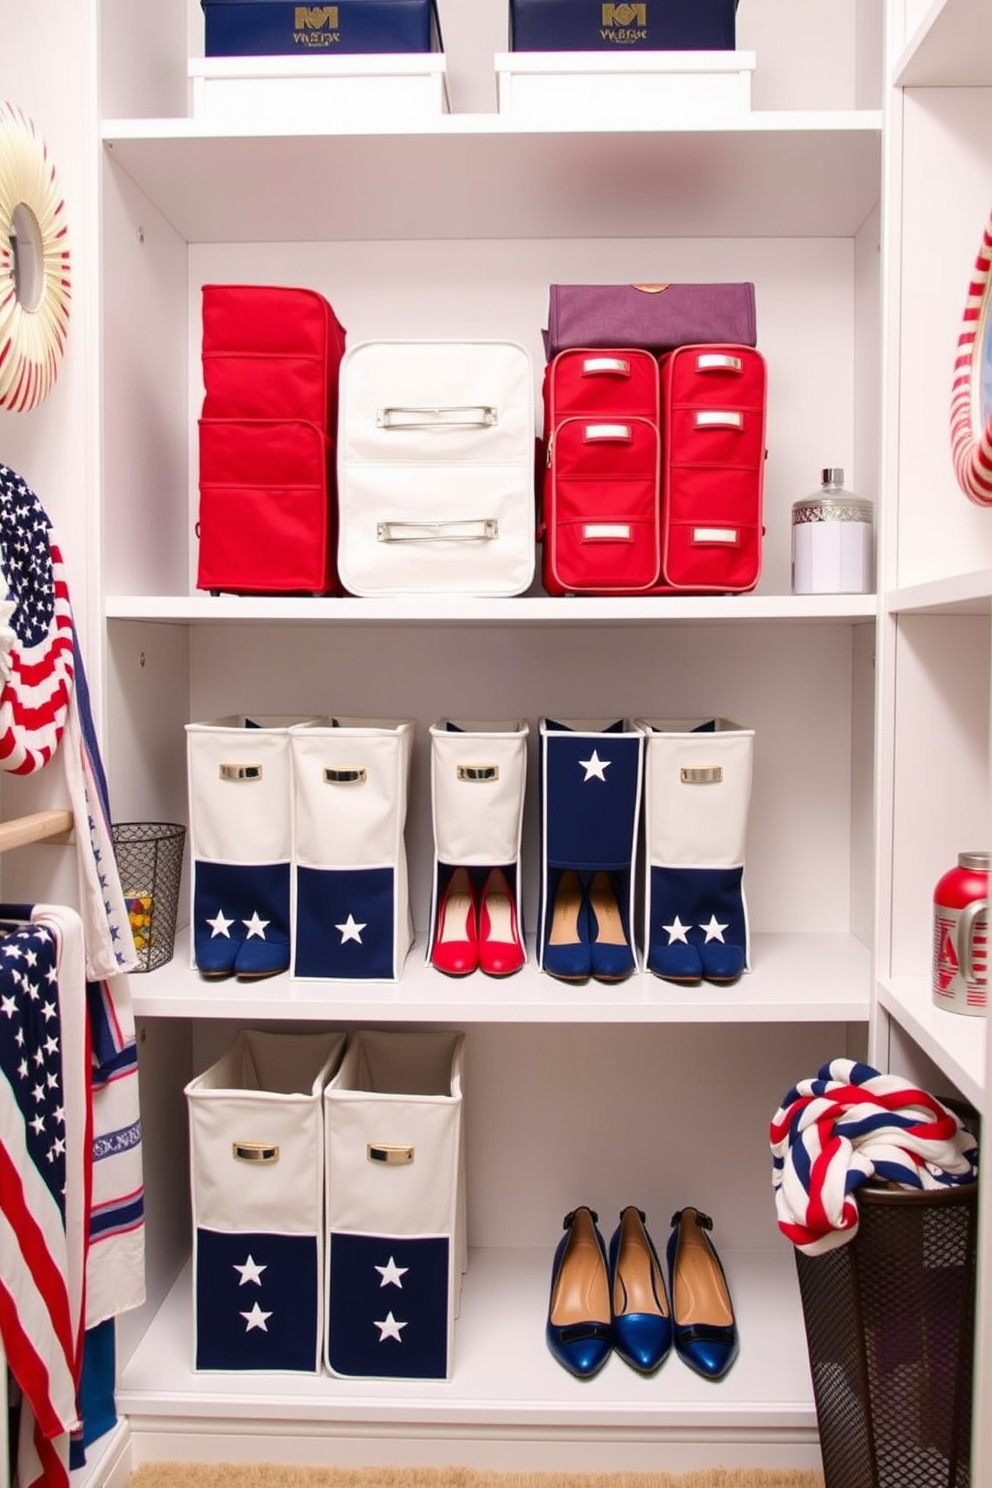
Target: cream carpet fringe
(231, 1475)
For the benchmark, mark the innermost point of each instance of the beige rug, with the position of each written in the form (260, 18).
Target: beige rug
(229, 1475)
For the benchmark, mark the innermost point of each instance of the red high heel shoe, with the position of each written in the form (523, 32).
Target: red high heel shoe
(501, 950)
(456, 944)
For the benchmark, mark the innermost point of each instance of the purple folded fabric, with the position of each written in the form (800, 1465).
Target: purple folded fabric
(657, 317)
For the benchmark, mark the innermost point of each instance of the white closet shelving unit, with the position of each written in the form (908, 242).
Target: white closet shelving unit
(853, 197)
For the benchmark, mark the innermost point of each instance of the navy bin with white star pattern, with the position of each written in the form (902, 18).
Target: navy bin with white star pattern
(351, 901)
(395, 1204)
(256, 1132)
(240, 844)
(590, 784)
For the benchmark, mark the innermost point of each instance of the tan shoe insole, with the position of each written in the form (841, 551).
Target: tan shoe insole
(636, 1285)
(497, 903)
(582, 1291)
(603, 903)
(699, 1293)
(457, 908)
(568, 902)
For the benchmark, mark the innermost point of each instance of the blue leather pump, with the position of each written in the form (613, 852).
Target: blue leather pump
(641, 1316)
(609, 942)
(705, 1330)
(566, 952)
(578, 1328)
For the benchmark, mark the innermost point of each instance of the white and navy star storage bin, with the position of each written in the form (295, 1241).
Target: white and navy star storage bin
(256, 1136)
(240, 843)
(696, 802)
(395, 1204)
(351, 901)
(590, 787)
(478, 781)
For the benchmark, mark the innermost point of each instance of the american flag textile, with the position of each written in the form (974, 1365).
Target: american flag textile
(850, 1124)
(44, 1177)
(36, 632)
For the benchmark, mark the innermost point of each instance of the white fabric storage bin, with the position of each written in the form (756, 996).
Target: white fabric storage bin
(256, 1135)
(590, 787)
(395, 1204)
(696, 804)
(351, 900)
(436, 468)
(240, 832)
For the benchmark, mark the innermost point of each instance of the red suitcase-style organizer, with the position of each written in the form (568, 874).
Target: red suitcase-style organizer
(713, 414)
(271, 359)
(600, 529)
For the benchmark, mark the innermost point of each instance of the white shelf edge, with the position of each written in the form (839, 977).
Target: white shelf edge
(426, 609)
(952, 46)
(502, 1316)
(833, 971)
(968, 593)
(955, 1043)
(756, 122)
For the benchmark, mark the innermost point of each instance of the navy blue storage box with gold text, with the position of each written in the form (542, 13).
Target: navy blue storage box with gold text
(278, 28)
(606, 25)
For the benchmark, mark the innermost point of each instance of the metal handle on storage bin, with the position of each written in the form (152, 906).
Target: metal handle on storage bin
(256, 1152)
(718, 361)
(388, 1153)
(478, 773)
(345, 774)
(725, 535)
(595, 432)
(458, 416)
(966, 939)
(606, 532)
(471, 530)
(240, 772)
(618, 366)
(718, 418)
(701, 774)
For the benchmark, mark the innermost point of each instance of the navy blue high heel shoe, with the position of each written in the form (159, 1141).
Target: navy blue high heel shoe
(641, 1316)
(609, 945)
(578, 1327)
(704, 1327)
(566, 952)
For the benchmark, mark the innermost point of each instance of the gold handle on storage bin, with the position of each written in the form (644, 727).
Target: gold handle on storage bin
(240, 772)
(701, 774)
(388, 1153)
(256, 1152)
(344, 775)
(478, 773)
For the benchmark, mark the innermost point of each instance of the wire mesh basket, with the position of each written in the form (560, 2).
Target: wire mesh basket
(890, 1331)
(150, 863)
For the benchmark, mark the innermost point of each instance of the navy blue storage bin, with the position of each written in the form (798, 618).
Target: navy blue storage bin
(278, 28)
(595, 26)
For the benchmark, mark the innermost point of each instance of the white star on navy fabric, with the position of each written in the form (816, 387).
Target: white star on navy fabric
(714, 930)
(388, 1328)
(220, 925)
(594, 767)
(391, 1273)
(351, 930)
(677, 931)
(256, 925)
(30, 1053)
(251, 1271)
(256, 1319)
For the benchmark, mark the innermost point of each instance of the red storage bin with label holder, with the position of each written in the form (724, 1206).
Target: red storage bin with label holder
(600, 527)
(265, 523)
(713, 414)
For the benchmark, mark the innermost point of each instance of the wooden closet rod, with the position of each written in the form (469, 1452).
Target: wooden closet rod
(40, 826)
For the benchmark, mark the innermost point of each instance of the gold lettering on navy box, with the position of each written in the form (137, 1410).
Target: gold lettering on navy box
(316, 26)
(624, 24)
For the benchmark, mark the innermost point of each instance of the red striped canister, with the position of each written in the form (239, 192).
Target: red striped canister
(960, 935)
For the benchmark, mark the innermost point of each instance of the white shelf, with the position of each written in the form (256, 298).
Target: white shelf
(505, 1381)
(952, 47)
(954, 1042)
(482, 176)
(959, 594)
(428, 609)
(796, 978)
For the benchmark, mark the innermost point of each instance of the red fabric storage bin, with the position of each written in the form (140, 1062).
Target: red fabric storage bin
(266, 517)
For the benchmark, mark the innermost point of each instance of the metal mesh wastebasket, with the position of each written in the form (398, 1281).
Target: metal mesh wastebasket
(890, 1330)
(149, 859)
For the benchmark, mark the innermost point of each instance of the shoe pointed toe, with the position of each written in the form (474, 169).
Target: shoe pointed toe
(582, 1349)
(711, 1356)
(643, 1340)
(641, 1317)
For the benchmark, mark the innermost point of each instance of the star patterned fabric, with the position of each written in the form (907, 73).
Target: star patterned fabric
(388, 1306)
(257, 1301)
